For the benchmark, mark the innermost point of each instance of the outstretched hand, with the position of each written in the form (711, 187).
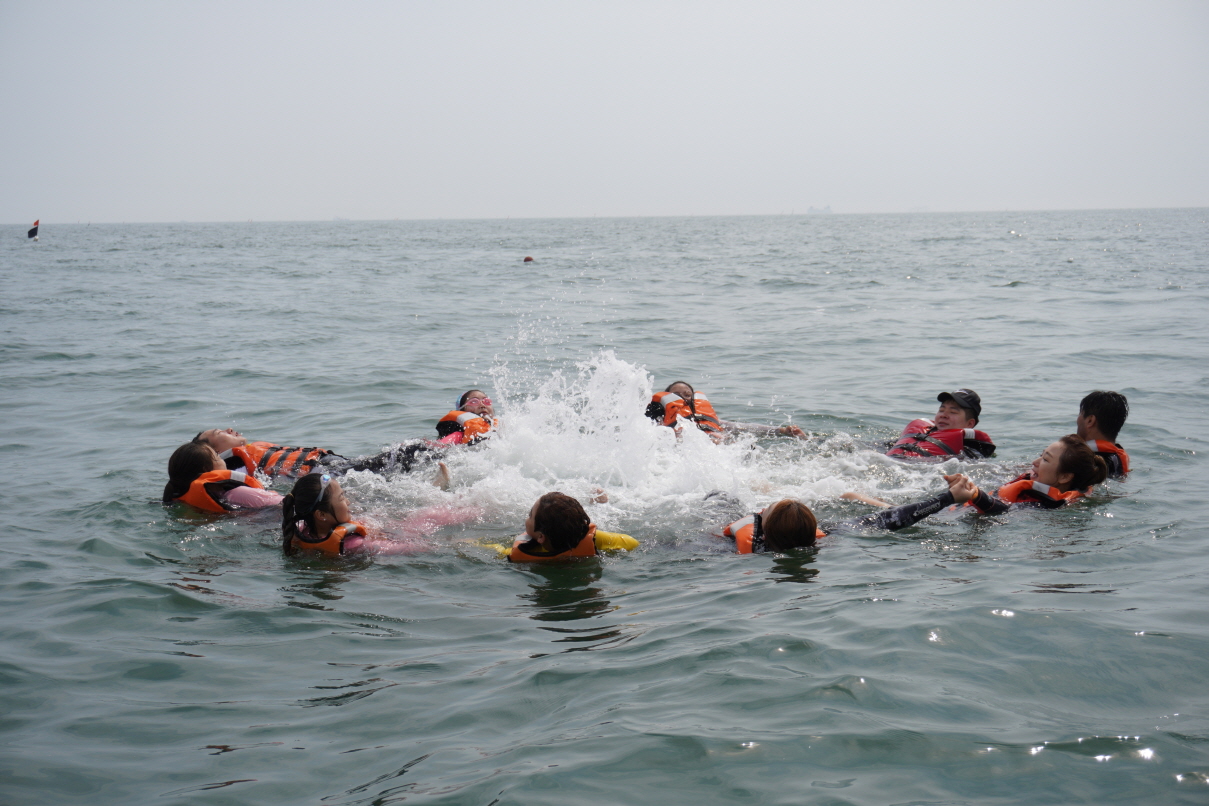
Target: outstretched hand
(961, 487)
(790, 430)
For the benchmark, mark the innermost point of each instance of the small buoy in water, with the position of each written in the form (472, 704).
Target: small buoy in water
(1070, 260)
(528, 259)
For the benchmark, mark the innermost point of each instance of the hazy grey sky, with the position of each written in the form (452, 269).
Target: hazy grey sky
(217, 111)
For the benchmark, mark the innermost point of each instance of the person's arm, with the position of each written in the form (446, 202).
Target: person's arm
(964, 490)
(865, 499)
(901, 517)
(252, 498)
(787, 430)
(388, 547)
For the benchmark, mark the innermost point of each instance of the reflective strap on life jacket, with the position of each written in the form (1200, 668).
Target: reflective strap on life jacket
(280, 461)
(241, 459)
(940, 444)
(747, 541)
(205, 491)
(918, 436)
(333, 544)
(584, 548)
(701, 412)
(1014, 491)
(469, 424)
(704, 414)
(674, 407)
(1112, 449)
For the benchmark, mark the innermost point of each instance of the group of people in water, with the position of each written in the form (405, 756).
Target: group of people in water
(220, 471)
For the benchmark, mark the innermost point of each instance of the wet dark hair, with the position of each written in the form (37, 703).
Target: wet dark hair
(1079, 460)
(301, 504)
(788, 524)
(562, 520)
(186, 463)
(466, 396)
(1110, 410)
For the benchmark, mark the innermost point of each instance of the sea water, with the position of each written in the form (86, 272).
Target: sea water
(151, 655)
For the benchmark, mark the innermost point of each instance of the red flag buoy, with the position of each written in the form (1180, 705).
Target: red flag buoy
(528, 259)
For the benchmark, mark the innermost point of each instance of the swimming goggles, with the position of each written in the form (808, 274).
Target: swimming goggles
(324, 480)
(486, 401)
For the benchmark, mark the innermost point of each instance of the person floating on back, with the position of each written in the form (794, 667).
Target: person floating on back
(272, 460)
(558, 528)
(951, 434)
(199, 478)
(1101, 415)
(470, 422)
(679, 401)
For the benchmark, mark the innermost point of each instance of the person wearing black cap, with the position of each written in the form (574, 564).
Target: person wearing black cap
(952, 433)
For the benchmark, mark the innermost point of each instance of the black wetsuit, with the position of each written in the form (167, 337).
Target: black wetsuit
(896, 518)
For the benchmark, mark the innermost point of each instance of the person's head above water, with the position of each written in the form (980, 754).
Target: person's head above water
(959, 409)
(187, 463)
(681, 389)
(558, 522)
(788, 524)
(1101, 415)
(476, 401)
(316, 500)
(221, 439)
(1068, 464)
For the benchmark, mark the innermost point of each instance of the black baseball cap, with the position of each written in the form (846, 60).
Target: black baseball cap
(968, 399)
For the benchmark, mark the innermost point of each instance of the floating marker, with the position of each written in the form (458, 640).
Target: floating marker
(528, 259)
(33, 233)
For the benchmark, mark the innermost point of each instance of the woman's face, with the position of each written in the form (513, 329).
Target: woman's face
(530, 528)
(681, 390)
(478, 403)
(222, 439)
(335, 508)
(1045, 466)
(337, 503)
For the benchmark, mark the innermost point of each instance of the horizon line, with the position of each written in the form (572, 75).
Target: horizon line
(810, 213)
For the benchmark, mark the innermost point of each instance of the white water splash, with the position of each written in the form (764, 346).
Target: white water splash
(583, 428)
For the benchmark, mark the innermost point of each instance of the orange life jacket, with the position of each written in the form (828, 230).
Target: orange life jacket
(1025, 489)
(471, 426)
(206, 491)
(746, 539)
(334, 544)
(1106, 450)
(700, 412)
(920, 439)
(275, 460)
(584, 548)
